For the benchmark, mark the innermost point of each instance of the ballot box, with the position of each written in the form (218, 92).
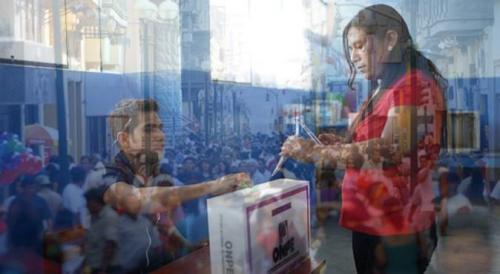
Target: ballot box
(263, 229)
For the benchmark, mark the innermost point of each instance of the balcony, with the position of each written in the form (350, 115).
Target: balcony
(458, 18)
(116, 10)
(24, 50)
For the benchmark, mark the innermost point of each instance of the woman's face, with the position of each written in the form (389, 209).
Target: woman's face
(366, 52)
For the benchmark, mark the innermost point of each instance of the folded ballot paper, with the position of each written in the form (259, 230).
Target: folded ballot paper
(263, 229)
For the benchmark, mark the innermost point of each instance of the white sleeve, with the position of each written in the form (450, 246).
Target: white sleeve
(495, 193)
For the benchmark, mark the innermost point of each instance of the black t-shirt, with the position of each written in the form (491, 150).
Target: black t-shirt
(25, 220)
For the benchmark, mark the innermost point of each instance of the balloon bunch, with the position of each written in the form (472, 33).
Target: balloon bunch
(16, 159)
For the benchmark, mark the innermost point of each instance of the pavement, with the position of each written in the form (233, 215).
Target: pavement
(462, 250)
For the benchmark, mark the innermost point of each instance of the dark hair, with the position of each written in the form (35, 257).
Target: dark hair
(476, 187)
(53, 171)
(85, 158)
(95, 194)
(166, 169)
(453, 178)
(28, 180)
(189, 158)
(124, 116)
(54, 159)
(78, 174)
(377, 20)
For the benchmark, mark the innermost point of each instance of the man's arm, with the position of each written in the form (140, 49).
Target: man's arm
(154, 197)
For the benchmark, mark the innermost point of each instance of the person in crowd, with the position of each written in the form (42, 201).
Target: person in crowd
(171, 159)
(71, 161)
(495, 194)
(402, 81)
(140, 249)
(72, 195)
(14, 190)
(467, 247)
(173, 241)
(190, 175)
(473, 186)
(215, 170)
(138, 132)
(53, 199)
(53, 171)
(223, 168)
(327, 190)
(246, 147)
(441, 200)
(28, 217)
(95, 172)
(94, 177)
(205, 170)
(85, 163)
(457, 201)
(261, 174)
(374, 158)
(101, 240)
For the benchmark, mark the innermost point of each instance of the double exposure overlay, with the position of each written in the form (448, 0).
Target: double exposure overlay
(249, 136)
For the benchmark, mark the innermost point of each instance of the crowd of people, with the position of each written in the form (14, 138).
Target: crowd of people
(40, 205)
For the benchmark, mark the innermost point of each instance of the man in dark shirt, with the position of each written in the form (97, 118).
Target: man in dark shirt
(28, 217)
(138, 132)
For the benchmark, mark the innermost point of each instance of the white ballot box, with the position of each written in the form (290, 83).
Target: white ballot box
(263, 229)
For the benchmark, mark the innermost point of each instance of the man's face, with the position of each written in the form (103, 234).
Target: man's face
(367, 53)
(86, 164)
(94, 207)
(188, 165)
(375, 154)
(148, 135)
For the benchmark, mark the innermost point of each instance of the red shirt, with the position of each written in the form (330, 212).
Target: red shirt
(381, 202)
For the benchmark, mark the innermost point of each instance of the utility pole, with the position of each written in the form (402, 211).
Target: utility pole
(60, 96)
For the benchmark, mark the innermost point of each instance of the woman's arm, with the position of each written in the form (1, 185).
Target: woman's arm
(396, 136)
(307, 151)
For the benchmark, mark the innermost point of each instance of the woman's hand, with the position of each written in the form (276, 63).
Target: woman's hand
(297, 148)
(330, 139)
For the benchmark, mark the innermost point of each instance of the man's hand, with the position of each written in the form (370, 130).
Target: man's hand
(231, 183)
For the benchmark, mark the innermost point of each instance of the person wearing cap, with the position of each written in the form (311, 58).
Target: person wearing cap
(53, 199)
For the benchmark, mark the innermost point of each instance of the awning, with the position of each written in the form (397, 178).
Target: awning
(37, 134)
